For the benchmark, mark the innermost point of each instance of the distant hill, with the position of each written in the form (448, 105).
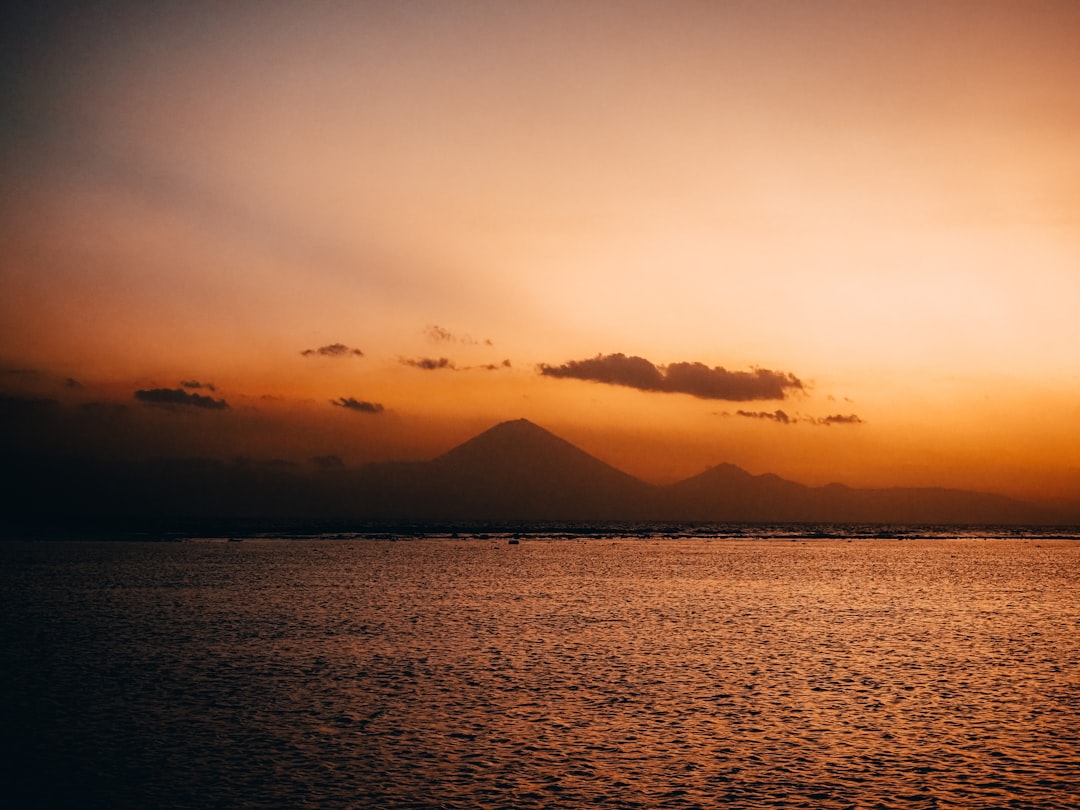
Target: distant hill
(515, 471)
(729, 493)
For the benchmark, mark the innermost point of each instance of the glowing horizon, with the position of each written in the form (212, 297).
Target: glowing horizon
(485, 204)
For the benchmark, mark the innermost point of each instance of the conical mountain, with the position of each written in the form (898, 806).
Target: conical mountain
(518, 470)
(521, 444)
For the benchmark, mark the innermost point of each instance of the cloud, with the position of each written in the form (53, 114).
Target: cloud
(785, 419)
(357, 405)
(839, 419)
(775, 416)
(32, 376)
(196, 384)
(428, 363)
(433, 364)
(695, 379)
(332, 350)
(178, 396)
(437, 334)
(493, 366)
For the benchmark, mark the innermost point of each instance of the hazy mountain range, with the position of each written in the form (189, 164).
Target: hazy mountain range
(516, 471)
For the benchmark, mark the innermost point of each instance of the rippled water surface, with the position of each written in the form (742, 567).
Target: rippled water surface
(549, 673)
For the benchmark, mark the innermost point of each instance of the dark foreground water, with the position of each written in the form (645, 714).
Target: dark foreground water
(468, 672)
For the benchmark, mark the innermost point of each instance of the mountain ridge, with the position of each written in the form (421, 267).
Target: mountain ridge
(519, 470)
(514, 471)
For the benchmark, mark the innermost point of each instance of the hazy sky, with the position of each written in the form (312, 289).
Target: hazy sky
(841, 239)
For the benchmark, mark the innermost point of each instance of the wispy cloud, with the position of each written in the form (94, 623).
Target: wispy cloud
(840, 419)
(359, 405)
(783, 418)
(428, 363)
(437, 334)
(332, 350)
(178, 396)
(695, 379)
(775, 416)
(493, 366)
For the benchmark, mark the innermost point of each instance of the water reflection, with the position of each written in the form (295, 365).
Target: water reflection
(551, 673)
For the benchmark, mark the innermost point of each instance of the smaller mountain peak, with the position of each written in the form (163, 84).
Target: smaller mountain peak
(724, 473)
(728, 469)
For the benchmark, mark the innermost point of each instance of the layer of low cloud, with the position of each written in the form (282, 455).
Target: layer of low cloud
(428, 363)
(783, 418)
(332, 350)
(840, 419)
(696, 379)
(33, 376)
(774, 416)
(359, 405)
(178, 396)
(494, 366)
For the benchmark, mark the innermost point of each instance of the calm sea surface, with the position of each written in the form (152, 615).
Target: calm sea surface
(470, 672)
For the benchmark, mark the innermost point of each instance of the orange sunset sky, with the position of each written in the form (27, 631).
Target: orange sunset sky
(842, 239)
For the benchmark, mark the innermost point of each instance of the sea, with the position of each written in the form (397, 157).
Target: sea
(544, 667)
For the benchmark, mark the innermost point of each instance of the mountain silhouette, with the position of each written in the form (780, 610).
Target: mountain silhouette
(728, 493)
(519, 471)
(515, 471)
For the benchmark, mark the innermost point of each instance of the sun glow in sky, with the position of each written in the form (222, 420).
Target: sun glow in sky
(880, 201)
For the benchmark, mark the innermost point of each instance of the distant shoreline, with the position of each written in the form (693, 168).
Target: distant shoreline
(163, 531)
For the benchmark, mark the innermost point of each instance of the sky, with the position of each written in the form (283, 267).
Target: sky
(836, 241)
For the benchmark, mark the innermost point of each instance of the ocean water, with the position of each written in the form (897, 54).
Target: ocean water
(773, 670)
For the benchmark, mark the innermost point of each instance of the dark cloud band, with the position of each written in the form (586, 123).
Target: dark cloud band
(785, 419)
(840, 419)
(332, 350)
(774, 416)
(178, 396)
(359, 405)
(428, 363)
(695, 379)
